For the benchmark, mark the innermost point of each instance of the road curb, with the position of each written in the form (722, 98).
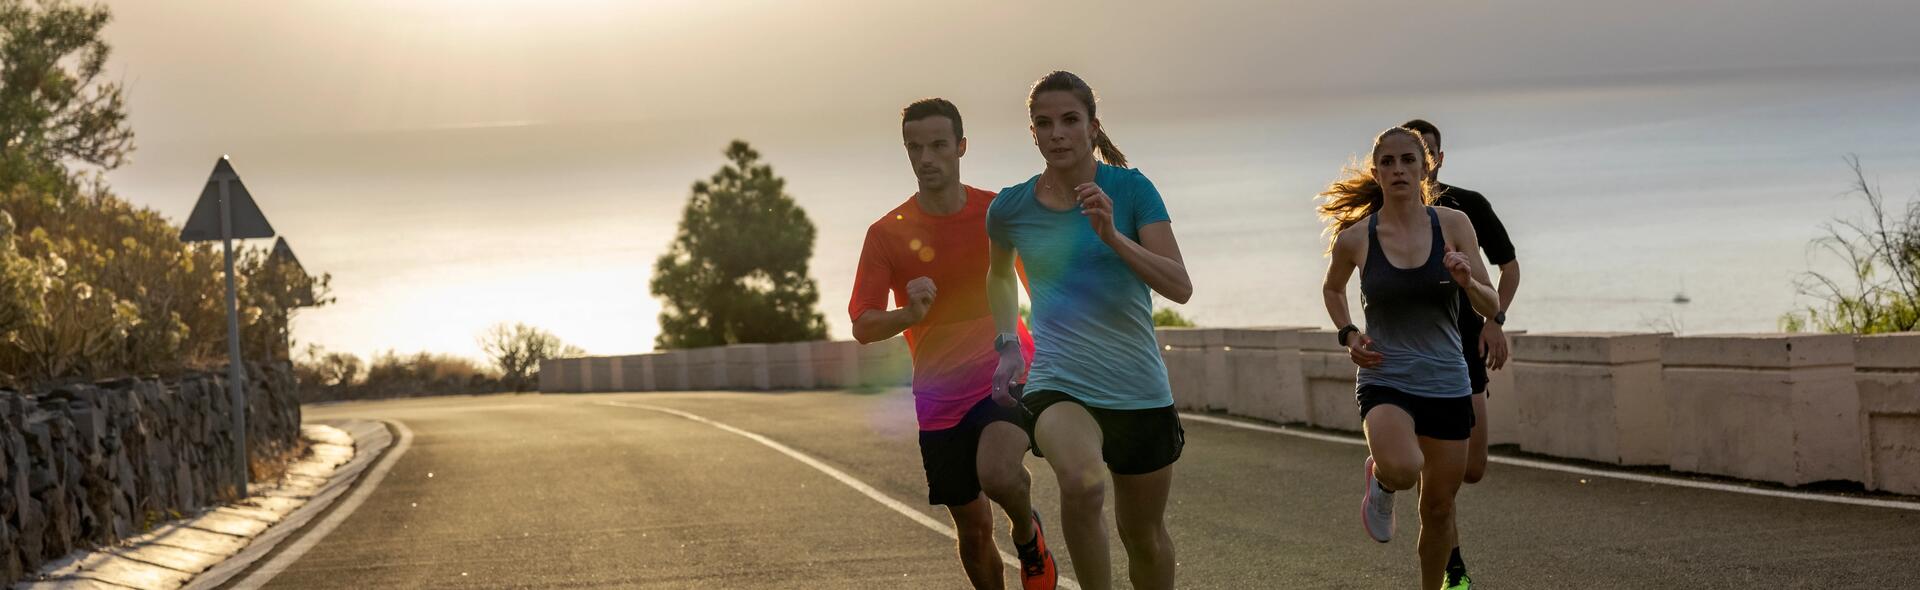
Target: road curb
(211, 547)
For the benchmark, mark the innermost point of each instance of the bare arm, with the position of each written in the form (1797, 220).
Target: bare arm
(1003, 289)
(1156, 260)
(1347, 253)
(1340, 267)
(1003, 299)
(1509, 283)
(876, 325)
(1461, 239)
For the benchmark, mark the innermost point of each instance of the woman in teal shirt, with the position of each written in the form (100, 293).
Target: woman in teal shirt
(1094, 238)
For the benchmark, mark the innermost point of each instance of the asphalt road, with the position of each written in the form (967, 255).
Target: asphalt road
(564, 491)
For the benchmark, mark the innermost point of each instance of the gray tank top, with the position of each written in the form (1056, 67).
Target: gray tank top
(1412, 319)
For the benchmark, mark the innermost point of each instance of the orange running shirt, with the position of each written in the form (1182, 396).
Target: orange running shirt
(953, 356)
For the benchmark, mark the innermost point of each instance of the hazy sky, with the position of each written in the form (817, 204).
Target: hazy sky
(460, 162)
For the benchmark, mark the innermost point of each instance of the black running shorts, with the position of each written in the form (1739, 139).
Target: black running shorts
(1133, 442)
(950, 455)
(1444, 418)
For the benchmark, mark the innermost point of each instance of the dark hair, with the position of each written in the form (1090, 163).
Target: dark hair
(1357, 194)
(1426, 130)
(1064, 81)
(933, 107)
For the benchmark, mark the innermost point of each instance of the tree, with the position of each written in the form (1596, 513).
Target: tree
(737, 270)
(53, 108)
(517, 350)
(318, 368)
(1882, 254)
(1167, 317)
(277, 288)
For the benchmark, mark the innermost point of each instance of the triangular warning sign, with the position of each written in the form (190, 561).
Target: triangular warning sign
(204, 224)
(302, 286)
(283, 254)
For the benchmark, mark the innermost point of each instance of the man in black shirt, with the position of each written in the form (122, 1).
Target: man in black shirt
(1483, 340)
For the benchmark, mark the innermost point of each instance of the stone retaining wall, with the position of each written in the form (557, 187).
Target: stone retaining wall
(83, 466)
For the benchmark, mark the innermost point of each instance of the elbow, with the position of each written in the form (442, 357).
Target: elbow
(1179, 293)
(863, 335)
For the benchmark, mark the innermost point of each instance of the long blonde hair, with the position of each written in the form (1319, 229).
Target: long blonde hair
(1356, 194)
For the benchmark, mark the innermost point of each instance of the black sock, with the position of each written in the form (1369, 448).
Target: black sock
(1032, 544)
(1454, 563)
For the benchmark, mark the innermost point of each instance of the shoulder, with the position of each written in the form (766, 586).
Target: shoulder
(1125, 177)
(894, 219)
(1008, 199)
(1454, 221)
(1355, 236)
(1462, 198)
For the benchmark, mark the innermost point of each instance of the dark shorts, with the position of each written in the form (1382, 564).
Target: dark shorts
(1133, 442)
(1470, 325)
(1476, 366)
(950, 455)
(1444, 418)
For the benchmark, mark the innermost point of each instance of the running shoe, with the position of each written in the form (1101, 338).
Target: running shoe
(1376, 508)
(1457, 579)
(1037, 571)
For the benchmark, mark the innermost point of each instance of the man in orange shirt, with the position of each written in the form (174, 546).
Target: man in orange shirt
(930, 253)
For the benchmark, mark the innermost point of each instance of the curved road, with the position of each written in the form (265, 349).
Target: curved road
(563, 491)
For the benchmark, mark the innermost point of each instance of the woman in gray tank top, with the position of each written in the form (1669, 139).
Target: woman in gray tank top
(1413, 388)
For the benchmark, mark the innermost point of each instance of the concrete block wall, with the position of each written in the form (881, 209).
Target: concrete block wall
(1184, 351)
(1593, 396)
(836, 364)
(1787, 408)
(887, 363)
(790, 366)
(1329, 376)
(1887, 371)
(1262, 366)
(1771, 407)
(743, 367)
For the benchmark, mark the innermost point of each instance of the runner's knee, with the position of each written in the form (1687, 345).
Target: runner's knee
(1436, 507)
(1398, 473)
(1084, 485)
(1001, 482)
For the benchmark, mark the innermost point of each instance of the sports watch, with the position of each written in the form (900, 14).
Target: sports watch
(1005, 340)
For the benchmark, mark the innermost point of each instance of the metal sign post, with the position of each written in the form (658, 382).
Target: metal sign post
(237, 217)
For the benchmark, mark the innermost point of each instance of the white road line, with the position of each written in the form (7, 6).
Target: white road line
(857, 485)
(369, 480)
(1621, 475)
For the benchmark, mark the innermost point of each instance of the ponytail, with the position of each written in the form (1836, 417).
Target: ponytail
(1103, 146)
(1348, 200)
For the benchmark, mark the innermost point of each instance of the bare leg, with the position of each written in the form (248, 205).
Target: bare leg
(1396, 454)
(1070, 439)
(1139, 508)
(1446, 461)
(973, 523)
(1004, 478)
